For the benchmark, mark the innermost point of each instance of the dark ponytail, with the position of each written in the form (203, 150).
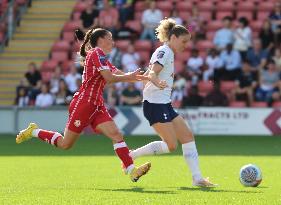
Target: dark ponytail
(92, 35)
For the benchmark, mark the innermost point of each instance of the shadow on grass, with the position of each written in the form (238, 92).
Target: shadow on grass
(207, 189)
(102, 146)
(138, 190)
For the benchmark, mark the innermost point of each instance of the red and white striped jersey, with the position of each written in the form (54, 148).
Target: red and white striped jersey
(93, 82)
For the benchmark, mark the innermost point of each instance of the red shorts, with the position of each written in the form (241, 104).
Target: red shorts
(82, 114)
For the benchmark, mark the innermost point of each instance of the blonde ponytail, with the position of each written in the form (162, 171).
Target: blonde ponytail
(164, 28)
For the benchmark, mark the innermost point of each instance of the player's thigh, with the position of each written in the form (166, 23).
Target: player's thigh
(68, 140)
(167, 133)
(183, 132)
(110, 130)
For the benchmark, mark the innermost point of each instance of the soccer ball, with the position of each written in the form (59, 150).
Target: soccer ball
(250, 175)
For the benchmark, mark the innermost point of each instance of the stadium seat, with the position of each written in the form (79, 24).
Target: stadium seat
(205, 87)
(179, 66)
(145, 56)
(204, 45)
(134, 25)
(46, 76)
(263, 15)
(183, 56)
(225, 6)
(140, 6)
(176, 103)
(221, 14)
(184, 15)
(246, 6)
(237, 104)
(61, 46)
(2, 36)
(214, 25)
(68, 36)
(246, 14)
(227, 86)
(75, 47)
(164, 5)
(266, 6)
(60, 56)
(76, 16)
(49, 65)
(276, 104)
(206, 15)
(122, 44)
(143, 45)
(184, 6)
(256, 25)
(157, 44)
(21, 2)
(66, 66)
(206, 6)
(80, 6)
(259, 104)
(210, 35)
(71, 26)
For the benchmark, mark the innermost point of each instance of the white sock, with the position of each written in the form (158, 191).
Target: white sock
(35, 132)
(153, 148)
(191, 157)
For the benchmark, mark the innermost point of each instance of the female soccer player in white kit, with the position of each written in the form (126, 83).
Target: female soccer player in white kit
(157, 106)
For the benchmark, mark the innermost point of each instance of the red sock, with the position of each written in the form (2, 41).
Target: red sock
(122, 151)
(49, 136)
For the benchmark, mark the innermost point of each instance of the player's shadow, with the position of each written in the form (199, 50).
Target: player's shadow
(139, 190)
(214, 189)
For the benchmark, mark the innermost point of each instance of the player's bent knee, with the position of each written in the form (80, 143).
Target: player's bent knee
(172, 146)
(66, 146)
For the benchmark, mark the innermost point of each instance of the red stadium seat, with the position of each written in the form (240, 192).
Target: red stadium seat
(46, 76)
(66, 65)
(237, 104)
(225, 6)
(134, 25)
(184, 15)
(140, 6)
(76, 16)
(71, 25)
(256, 25)
(143, 45)
(2, 36)
(122, 44)
(248, 15)
(204, 45)
(75, 47)
(206, 15)
(179, 66)
(206, 6)
(205, 87)
(164, 5)
(145, 56)
(183, 56)
(68, 36)
(263, 15)
(80, 6)
(177, 103)
(210, 35)
(61, 46)
(49, 65)
(246, 6)
(227, 86)
(214, 25)
(276, 104)
(221, 14)
(184, 6)
(266, 6)
(259, 104)
(60, 56)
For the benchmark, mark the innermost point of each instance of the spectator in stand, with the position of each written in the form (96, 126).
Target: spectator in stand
(111, 96)
(44, 99)
(124, 32)
(150, 20)
(231, 61)
(130, 59)
(266, 36)
(275, 16)
(175, 15)
(89, 17)
(214, 65)
(277, 58)
(55, 80)
(268, 83)
(22, 99)
(193, 98)
(243, 37)
(125, 9)
(71, 79)
(257, 56)
(33, 75)
(194, 65)
(179, 88)
(245, 84)
(198, 24)
(216, 97)
(108, 17)
(131, 95)
(224, 35)
(115, 57)
(63, 95)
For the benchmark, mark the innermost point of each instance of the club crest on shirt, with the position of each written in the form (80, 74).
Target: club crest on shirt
(103, 60)
(160, 54)
(77, 123)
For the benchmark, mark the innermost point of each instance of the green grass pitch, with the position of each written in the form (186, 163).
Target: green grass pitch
(35, 173)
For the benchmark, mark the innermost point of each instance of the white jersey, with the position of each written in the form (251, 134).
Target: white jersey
(164, 56)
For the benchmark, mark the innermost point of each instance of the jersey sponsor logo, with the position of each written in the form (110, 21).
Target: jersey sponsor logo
(103, 60)
(77, 123)
(160, 54)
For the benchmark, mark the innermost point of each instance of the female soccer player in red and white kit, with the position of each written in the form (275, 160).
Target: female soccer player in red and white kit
(87, 106)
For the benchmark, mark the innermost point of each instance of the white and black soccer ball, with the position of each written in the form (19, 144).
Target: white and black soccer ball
(250, 175)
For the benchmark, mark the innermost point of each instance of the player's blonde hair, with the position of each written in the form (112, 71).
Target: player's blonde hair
(167, 28)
